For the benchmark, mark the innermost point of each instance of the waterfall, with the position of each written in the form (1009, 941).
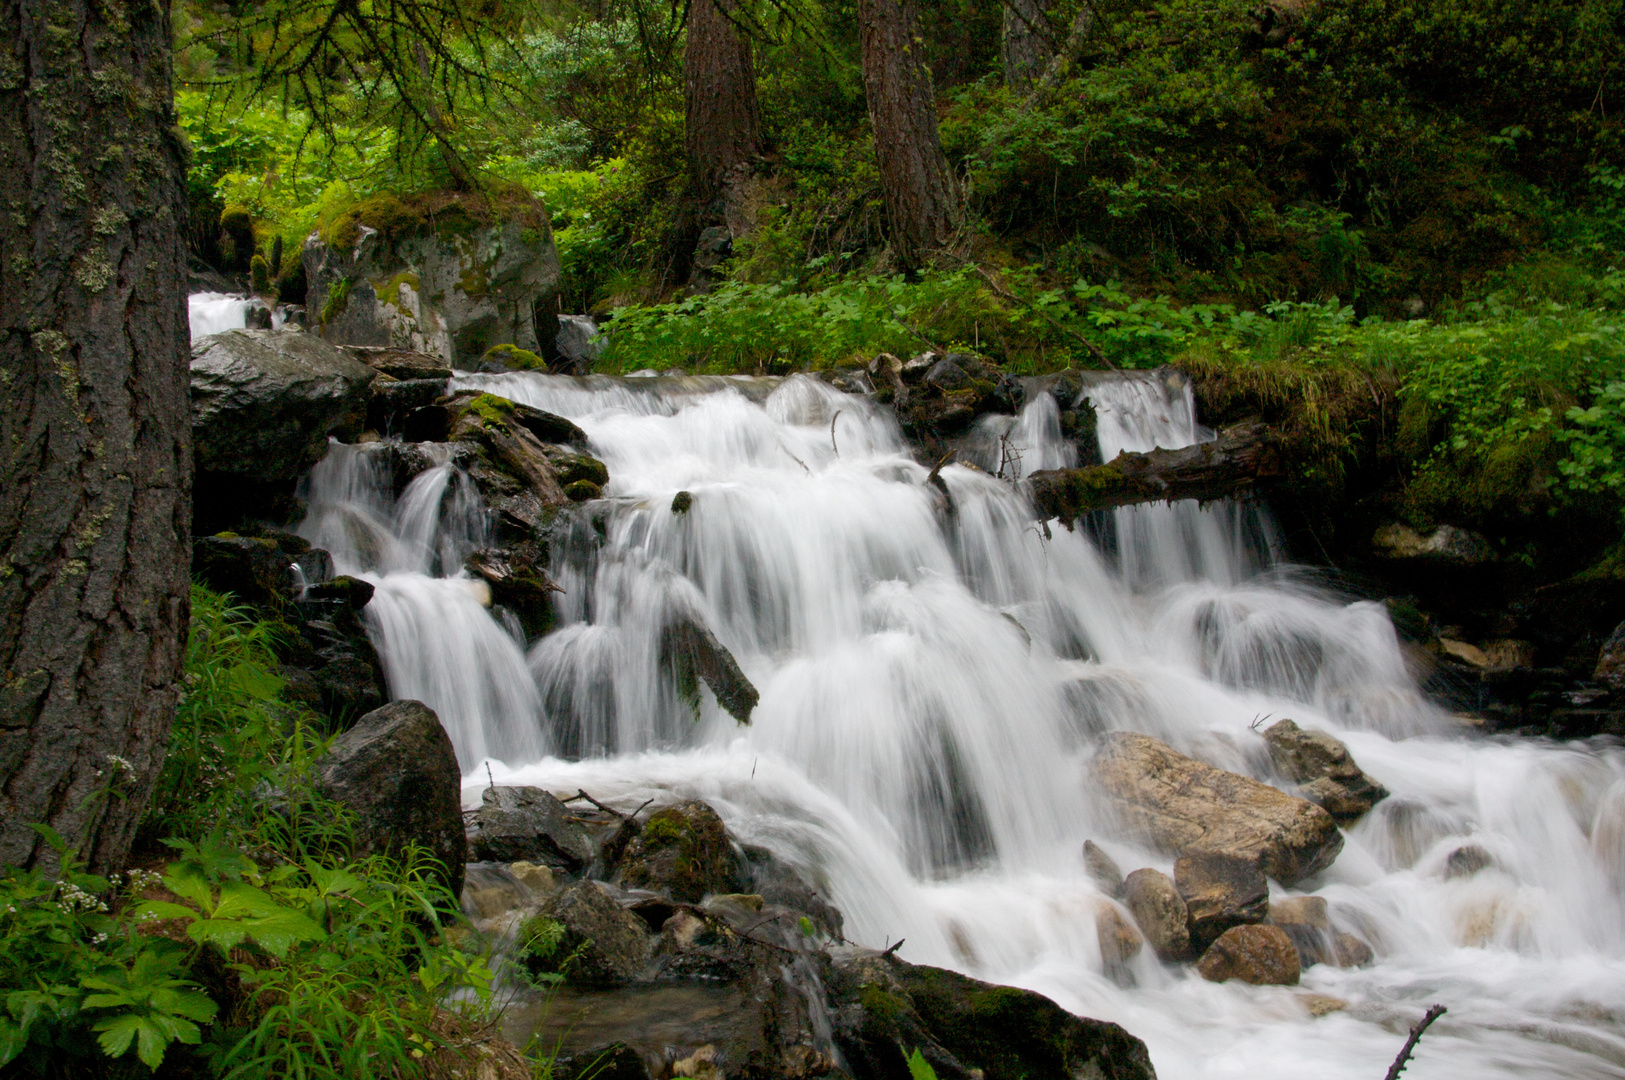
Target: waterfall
(214, 313)
(934, 674)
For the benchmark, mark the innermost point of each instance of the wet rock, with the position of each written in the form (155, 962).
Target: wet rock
(1350, 951)
(1221, 891)
(1323, 766)
(573, 467)
(963, 1027)
(1466, 861)
(330, 662)
(401, 364)
(397, 771)
(615, 1061)
(265, 401)
(580, 491)
(393, 400)
(518, 579)
(1261, 955)
(257, 570)
(694, 654)
(351, 592)
(682, 502)
(1119, 943)
(538, 879)
(1446, 545)
(682, 851)
(1160, 912)
(515, 824)
(777, 882)
(1305, 921)
(1103, 870)
(1506, 654)
(1183, 805)
(598, 941)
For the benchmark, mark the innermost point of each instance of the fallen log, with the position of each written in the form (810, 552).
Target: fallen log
(1239, 461)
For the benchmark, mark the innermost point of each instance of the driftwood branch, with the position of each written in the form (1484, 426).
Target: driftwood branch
(1433, 1013)
(1240, 460)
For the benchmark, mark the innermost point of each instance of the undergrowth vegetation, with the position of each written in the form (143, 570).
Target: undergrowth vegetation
(248, 942)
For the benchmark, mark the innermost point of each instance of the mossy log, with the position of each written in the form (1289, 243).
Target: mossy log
(1242, 459)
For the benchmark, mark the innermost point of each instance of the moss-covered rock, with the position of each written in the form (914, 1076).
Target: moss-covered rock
(451, 273)
(683, 851)
(511, 358)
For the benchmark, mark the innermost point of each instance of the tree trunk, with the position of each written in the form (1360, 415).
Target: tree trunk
(1028, 45)
(723, 127)
(1239, 461)
(95, 507)
(921, 200)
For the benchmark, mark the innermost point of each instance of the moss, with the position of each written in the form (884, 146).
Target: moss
(497, 412)
(664, 829)
(446, 213)
(259, 274)
(338, 298)
(582, 491)
(390, 291)
(880, 1006)
(581, 467)
(514, 358)
(236, 237)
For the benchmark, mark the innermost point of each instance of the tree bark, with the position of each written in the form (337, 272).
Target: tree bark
(95, 507)
(722, 130)
(922, 202)
(1241, 459)
(1027, 46)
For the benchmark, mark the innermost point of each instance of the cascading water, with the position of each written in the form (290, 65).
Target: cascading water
(934, 674)
(214, 313)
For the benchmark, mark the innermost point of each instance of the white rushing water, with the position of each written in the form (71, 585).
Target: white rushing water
(933, 680)
(215, 313)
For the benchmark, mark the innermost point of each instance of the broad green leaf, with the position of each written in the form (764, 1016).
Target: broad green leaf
(117, 1032)
(161, 909)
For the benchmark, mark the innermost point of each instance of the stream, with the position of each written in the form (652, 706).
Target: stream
(934, 675)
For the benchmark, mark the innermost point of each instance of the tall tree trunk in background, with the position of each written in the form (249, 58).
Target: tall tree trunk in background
(723, 126)
(1028, 43)
(921, 198)
(94, 418)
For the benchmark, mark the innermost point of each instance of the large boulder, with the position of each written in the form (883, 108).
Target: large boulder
(446, 273)
(1447, 545)
(1261, 955)
(966, 1028)
(396, 770)
(265, 401)
(527, 824)
(682, 851)
(1160, 912)
(1183, 805)
(1324, 769)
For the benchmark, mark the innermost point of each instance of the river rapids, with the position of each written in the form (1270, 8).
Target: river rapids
(934, 676)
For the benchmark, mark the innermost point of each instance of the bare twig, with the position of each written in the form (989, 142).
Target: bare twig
(1433, 1013)
(582, 795)
(832, 420)
(890, 949)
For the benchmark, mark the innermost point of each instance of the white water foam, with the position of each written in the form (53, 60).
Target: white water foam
(215, 313)
(933, 681)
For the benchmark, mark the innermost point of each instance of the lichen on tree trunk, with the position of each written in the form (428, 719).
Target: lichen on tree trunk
(95, 507)
(922, 200)
(722, 128)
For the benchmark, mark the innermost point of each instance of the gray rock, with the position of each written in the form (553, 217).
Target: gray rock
(393, 400)
(578, 344)
(265, 401)
(1220, 891)
(1446, 545)
(445, 284)
(402, 364)
(1323, 766)
(527, 824)
(1160, 912)
(396, 769)
(1466, 861)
